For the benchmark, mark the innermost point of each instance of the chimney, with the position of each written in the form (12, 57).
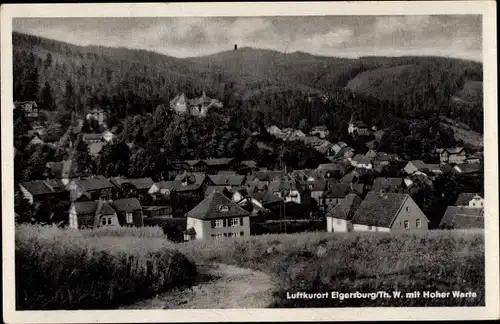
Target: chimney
(235, 47)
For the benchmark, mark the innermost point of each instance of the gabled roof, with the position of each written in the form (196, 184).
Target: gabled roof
(379, 209)
(91, 136)
(346, 208)
(37, 187)
(127, 204)
(168, 185)
(349, 177)
(212, 207)
(179, 98)
(141, 183)
(318, 185)
(265, 197)
(361, 159)
(468, 167)
(93, 183)
(191, 177)
(249, 163)
(332, 167)
(464, 198)
(382, 183)
(268, 175)
(462, 218)
(93, 207)
(226, 180)
(212, 189)
(95, 148)
(337, 190)
(220, 161)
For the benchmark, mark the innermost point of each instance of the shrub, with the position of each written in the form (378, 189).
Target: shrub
(99, 269)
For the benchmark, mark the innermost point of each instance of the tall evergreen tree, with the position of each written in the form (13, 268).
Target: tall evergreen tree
(46, 100)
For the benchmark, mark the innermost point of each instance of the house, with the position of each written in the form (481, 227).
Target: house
(132, 187)
(151, 212)
(462, 217)
(326, 148)
(39, 191)
(389, 212)
(59, 170)
(215, 165)
(303, 175)
(468, 199)
(360, 161)
(217, 217)
(333, 195)
(36, 140)
(253, 206)
(338, 146)
(29, 108)
(456, 155)
(338, 219)
(274, 131)
(346, 153)
(197, 107)
(319, 131)
(90, 188)
(95, 149)
(388, 184)
(267, 199)
(92, 138)
(246, 167)
(358, 128)
(331, 170)
(266, 176)
(92, 214)
(285, 189)
(382, 159)
(97, 114)
(108, 136)
(227, 180)
(129, 212)
(473, 158)
(222, 189)
(418, 165)
(371, 155)
(316, 188)
(472, 169)
(164, 188)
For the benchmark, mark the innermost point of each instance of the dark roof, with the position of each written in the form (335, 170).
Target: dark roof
(93, 183)
(127, 204)
(464, 198)
(91, 137)
(249, 163)
(386, 183)
(210, 208)
(212, 189)
(337, 190)
(379, 209)
(265, 197)
(170, 185)
(462, 218)
(361, 159)
(191, 177)
(141, 183)
(93, 207)
(332, 167)
(37, 187)
(269, 175)
(95, 148)
(60, 169)
(346, 208)
(469, 167)
(318, 185)
(221, 161)
(227, 180)
(349, 177)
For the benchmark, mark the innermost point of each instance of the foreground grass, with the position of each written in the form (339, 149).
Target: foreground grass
(442, 261)
(98, 269)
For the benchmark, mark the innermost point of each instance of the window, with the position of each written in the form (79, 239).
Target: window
(230, 234)
(219, 236)
(418, 223)
(223, 208)
(236, 234)
(406, 224)
(130, 219)
(235, 222)
(242, 233)
(103, 221)
(219, 223)
(225, 234)
(407, 209)
(213, 235)
(109, 221)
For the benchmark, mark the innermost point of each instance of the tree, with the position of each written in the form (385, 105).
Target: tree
(48, 61)
(304, 126)
(46, 100)
(31, 88)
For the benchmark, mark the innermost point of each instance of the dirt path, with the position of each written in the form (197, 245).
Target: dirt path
(218, 286)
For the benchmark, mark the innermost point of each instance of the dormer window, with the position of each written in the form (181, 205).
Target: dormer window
(223, 208)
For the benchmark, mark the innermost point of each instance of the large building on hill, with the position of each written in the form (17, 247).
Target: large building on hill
(197, 106)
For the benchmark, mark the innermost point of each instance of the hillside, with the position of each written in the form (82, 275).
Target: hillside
(130, 81)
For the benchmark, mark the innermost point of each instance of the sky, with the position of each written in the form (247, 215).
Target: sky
(457, 36)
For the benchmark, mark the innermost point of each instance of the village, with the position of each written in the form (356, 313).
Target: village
(230, 197)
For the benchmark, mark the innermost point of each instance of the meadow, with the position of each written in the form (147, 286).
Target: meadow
(94, 269)
(442, 261)
(108, 267)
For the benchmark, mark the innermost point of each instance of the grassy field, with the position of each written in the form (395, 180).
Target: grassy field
(94, 269)
(443, 261)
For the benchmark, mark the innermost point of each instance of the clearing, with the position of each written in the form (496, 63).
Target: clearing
(217, 286)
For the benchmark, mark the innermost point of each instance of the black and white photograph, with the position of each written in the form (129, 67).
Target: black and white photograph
(342, 160)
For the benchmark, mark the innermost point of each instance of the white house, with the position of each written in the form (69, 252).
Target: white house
(217, 217)
(338, 219)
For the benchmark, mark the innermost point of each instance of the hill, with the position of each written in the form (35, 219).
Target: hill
(131, 81)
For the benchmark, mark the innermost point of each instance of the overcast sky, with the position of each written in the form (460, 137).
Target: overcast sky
(348, 36)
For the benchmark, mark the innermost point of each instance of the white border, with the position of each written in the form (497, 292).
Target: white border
(485, 8)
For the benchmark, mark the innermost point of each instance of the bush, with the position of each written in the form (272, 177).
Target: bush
(99, 269)
(442, 261)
